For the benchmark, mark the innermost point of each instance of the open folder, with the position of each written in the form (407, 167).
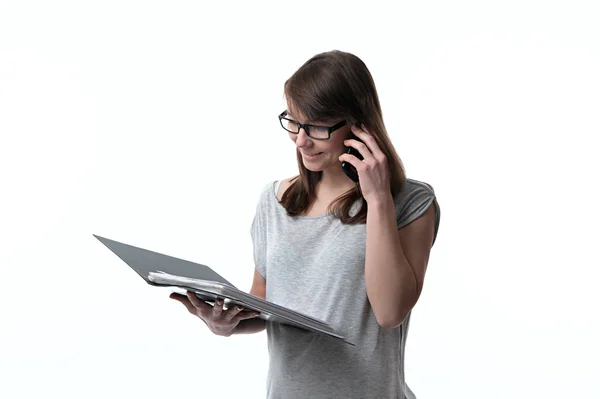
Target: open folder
(166, 271)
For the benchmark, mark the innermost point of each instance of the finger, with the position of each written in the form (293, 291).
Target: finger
(218, 307)
(232, 312)
(361, 132)
(360, 147)
(198, 303)
(176, 295)
(246, 315)
(352, 160)
(369, 140)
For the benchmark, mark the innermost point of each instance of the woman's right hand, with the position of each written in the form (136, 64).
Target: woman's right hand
(220, 322)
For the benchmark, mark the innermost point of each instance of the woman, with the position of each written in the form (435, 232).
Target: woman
(351, 254)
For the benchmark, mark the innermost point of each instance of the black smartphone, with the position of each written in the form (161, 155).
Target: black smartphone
(347, 167)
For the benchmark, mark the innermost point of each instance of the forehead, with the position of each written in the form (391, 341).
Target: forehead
(296, 115)
(293, 112)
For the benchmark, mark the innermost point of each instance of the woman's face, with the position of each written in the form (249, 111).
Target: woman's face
(319, 155)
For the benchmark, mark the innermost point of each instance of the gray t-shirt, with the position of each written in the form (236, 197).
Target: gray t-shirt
(315, 265)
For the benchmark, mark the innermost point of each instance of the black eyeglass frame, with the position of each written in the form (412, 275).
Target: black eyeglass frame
(306, 127)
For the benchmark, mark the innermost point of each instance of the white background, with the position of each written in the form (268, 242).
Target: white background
(155, 123)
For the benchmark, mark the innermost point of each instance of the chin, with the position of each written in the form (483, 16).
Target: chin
(320, 164)
(313, 168)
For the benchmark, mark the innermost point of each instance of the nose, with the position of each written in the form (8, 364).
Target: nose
(302, 139)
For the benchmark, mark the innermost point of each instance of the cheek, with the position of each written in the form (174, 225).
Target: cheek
(335, 151)
(339, 140)
(338, 146)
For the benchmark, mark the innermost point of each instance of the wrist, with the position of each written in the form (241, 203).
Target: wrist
(381, 203)
(249, 326)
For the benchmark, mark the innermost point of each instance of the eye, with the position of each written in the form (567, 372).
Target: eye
(319, 132)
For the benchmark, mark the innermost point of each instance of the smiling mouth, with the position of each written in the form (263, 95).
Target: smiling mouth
(312, 155)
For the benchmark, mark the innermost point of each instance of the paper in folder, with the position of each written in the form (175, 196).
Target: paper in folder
(166, 271)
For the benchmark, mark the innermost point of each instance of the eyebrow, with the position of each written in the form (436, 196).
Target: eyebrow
(313, 123)
(288, 113)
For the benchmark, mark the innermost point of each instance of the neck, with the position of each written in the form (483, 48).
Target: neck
(334, 182)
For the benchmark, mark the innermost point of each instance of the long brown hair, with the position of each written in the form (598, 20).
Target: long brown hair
(337, 85)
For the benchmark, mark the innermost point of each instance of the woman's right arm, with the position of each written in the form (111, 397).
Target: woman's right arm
(231, 321)
(251, 326)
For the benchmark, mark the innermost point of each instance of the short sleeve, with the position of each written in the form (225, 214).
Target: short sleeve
(412, 202)
(258, 232)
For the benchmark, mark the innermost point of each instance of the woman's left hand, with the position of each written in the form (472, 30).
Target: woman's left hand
(373, 170)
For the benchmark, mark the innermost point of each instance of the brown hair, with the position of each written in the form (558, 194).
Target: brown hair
(337, 85)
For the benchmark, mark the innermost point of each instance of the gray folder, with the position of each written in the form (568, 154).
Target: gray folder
(155, 268)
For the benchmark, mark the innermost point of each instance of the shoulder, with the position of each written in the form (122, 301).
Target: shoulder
(283, 186)
(412, 189)
(412, 202)
(274, 188)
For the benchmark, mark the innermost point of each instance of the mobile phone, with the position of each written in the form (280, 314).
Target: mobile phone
(347, 167)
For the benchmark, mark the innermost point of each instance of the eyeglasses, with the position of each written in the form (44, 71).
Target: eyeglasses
(312, 131)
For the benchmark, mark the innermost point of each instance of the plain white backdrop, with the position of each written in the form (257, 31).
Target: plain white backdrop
(155, 123)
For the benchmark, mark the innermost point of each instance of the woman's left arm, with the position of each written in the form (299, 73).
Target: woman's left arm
(396, 260)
